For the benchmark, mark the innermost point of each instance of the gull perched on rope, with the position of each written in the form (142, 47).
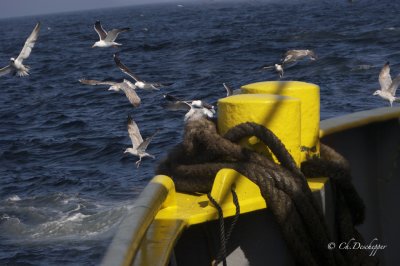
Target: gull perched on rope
(107, 39)
(16, 67)
(196, 109)
(138, 145)
(138, 82)
(126, 86)
(388, 87)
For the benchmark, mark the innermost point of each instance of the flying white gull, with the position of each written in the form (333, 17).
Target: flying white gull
(277, 67)
(291, 56)
(196, 108)
(388, 87)
(230, 91)
(296, 55)
(126, 86)
(107, 39)
(138, 145)
(138, 82)
(16, 67)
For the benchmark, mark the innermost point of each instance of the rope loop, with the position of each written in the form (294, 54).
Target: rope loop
(194, 163)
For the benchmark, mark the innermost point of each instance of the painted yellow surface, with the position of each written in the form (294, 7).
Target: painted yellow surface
(290, 110)
(188, 210)
(194, 209)
(309, 96)
(169, 184)
(280, 114)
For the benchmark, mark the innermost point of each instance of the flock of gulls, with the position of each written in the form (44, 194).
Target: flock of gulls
(195, 109)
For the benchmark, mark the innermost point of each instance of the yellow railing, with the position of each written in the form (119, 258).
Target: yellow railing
(128, 238)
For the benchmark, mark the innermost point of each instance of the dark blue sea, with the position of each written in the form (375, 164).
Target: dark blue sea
(65, 183)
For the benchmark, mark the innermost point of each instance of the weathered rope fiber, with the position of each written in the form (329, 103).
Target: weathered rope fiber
(221, 256)
(194, 163)
(222, 253)
(350, 209)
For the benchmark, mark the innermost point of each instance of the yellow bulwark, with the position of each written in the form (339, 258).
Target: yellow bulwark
(289, 109)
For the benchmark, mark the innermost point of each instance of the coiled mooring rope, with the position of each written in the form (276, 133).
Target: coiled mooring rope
(194, 163)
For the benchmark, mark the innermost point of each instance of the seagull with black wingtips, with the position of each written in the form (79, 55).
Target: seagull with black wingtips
(126, 86)
(141, 84)
(107, 39)
(196, 109)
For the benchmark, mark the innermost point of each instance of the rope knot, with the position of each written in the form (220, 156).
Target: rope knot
(194, 163)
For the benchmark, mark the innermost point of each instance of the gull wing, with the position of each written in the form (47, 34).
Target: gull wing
(124, 68)
(395, 84)
(385, 80)
(294, 55)
(5, 70)
(131, 94)
(29, 44)
(175, 103)
(228, 89)
(288, 58)
(96, 82)
(100, 31)
(113, 34)
(134, 133)
(158, 85)
(208, 106)
(267, 67)
(169, 97)
(312, 54)
(143, 146)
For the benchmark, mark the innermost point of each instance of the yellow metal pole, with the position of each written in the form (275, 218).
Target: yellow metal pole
(280, 114)
(308, 94)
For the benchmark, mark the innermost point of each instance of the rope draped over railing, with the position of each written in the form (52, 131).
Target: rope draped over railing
(194, 163)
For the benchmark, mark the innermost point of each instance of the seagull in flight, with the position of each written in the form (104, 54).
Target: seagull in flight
(296, 55)
(388, 87)
(138, 145)
(196, 109)
(291, 56)
(126, 86)
(230, 91)
(16, 67)
(138, 82)
(277, 67)
(107, 39)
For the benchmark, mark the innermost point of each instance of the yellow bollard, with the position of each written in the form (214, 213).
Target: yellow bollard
(280, 114)
(310, 108)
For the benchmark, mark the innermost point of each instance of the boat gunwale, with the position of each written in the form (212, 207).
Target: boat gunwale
(357, 119)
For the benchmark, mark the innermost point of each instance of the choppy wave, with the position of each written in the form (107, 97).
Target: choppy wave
(57, 217)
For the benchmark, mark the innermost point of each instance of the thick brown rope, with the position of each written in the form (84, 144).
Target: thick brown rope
(350, 209)
(194, 163)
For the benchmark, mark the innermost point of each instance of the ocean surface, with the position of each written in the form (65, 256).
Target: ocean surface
(65, 183)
